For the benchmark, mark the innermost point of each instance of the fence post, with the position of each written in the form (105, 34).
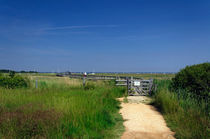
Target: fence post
(83, 81)
(127, 85)
(36, 84)
(131, 86)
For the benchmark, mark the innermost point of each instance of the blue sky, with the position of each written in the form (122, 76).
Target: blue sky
(104, 35)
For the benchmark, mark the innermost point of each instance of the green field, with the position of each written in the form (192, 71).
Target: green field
(61, 108)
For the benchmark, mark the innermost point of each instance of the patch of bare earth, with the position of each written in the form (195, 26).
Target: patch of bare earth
(143, 121)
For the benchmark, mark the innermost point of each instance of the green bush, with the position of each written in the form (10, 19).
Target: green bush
(13, 82)
(89, 86)
(194, 79)
(11, 74)
(186, 116)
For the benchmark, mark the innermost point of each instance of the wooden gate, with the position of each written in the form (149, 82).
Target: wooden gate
(136, 86)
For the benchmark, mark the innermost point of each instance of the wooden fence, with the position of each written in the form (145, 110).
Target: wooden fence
(135, 86)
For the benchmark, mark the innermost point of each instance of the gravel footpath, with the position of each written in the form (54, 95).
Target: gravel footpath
(143, 121)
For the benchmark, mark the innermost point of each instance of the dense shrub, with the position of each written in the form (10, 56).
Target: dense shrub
(12, 82)
(11, 74)
(194, 79)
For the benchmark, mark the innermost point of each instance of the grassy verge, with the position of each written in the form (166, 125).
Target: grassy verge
(60, 111)
(185, 115)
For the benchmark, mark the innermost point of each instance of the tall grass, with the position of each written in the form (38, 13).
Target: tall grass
(60, 111)
(185, 115)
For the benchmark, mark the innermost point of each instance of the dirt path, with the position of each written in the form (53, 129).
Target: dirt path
(143, 121)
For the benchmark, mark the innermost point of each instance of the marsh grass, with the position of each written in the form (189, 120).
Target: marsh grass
(57, 109)
(185, 115)
(49, 81)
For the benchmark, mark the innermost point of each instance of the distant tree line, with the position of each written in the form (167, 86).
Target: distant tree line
(22, 71)
(5, 70)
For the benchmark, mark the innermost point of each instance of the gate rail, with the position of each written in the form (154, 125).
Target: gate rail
(137, 86)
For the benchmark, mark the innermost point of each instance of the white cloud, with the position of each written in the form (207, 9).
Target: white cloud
(79, 27)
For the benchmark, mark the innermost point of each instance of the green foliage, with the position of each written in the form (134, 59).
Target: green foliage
(12, 82)
(4, 71)
(194, 79)
(60, 111)
(112, 82)
(185, 115)
(90, 86)
(11, 74)
(42, 84)
(167, 103)
(22, 71)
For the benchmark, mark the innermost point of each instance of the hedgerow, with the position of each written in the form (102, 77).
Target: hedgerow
(194, 79)
(13, 81)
